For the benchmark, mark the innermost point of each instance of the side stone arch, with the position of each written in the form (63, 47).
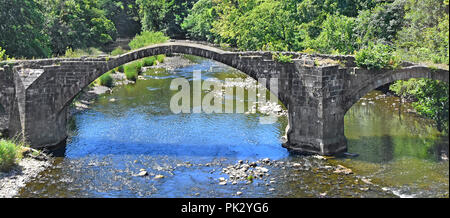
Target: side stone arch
(363, 81)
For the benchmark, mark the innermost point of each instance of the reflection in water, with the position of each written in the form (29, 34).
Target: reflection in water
(397, 148)
(111, 142)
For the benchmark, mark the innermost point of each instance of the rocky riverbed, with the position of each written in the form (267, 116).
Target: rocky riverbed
(28, 168)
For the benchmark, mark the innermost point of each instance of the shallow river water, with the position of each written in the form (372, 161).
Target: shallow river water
(400, 154)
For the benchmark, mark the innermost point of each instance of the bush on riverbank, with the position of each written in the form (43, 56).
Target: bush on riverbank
(132, 70)
(160, 58)
(105, 80)
(149, 61)
(9, 154)
(121, 69)
(131, 75)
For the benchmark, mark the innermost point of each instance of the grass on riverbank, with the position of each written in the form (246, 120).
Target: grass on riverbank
(10, 154)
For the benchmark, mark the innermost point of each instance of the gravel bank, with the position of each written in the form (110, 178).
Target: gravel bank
(28, 168)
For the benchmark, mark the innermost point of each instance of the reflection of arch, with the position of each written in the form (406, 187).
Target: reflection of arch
(355, 93)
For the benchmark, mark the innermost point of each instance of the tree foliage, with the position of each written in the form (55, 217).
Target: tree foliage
(22, 29)
(164, 15)
(431, 99)
(424, 36)
(198, 24)
(3, 55)
(124, 15)
(77, 24)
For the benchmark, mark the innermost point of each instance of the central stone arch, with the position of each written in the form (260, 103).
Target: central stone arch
(254, 64)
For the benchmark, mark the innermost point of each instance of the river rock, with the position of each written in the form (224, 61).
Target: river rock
(319, 157)
(142, 173)
(367, 181)
(262, 169)
(296, 165)
(158, 177)
(343, 170)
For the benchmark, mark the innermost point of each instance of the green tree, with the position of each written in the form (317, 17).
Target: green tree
(164, 15)
(424, 36)
(337, 36)
(124, 15)
(22, 31)
(380, 24)
(431, 99)
(198, 23)
(77, 24)
(255, 25)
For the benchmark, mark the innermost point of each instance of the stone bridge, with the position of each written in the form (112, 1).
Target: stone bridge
(316, 89)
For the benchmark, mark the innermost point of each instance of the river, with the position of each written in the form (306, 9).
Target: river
(132, 129)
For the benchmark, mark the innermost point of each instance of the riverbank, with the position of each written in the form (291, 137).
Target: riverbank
(28, 168)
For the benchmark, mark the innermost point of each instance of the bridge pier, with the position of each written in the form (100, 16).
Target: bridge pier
(316, 117)
(310, 134)
(35, 115)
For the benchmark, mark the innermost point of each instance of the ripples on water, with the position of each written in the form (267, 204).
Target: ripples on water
(111, 142)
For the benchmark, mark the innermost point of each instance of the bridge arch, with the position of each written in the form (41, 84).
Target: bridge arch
(360, 89)
(242, 61)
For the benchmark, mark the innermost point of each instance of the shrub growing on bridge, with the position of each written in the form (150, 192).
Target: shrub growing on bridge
(118, 51)
(376, 56)
(147, 38)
